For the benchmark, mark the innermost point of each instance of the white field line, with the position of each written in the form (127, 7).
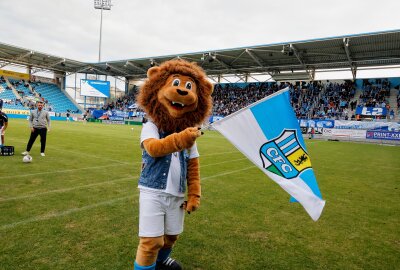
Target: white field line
(228, 161)
(63, 213)
(34, 195)
(91, 206)
(220, 153)
(60, 149)
(229, 172)
(94, 167)
(62, 171)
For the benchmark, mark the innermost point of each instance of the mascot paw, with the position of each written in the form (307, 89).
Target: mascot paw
(192, 204)
(189, 136)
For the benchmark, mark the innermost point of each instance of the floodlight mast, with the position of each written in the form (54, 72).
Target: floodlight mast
(103, 5)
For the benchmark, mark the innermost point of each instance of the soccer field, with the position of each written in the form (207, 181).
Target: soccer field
(77, 208)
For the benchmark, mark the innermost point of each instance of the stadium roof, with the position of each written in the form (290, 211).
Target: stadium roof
(296, 60)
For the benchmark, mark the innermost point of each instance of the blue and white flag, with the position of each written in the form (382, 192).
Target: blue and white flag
(267, 132)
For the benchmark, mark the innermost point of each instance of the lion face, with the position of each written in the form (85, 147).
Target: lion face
(179, 95)
(176, 95)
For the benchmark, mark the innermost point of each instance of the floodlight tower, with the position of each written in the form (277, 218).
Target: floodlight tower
(103, 5)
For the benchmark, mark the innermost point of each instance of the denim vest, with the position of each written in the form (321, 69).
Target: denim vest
(155, 170)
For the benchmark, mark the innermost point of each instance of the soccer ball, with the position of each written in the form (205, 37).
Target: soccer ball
(27, 159)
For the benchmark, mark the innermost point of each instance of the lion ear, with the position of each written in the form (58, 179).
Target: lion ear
(151, 71)
(208, 86)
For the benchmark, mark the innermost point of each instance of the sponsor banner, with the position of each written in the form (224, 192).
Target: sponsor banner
(13, 111)
(341, 124)
(116, 113)
(13, 74)
(371, 111)
(119, 122)
(316, 123)
(344, 133)
(116, 118)
(267, 133)
(383, 135)
(95, 88)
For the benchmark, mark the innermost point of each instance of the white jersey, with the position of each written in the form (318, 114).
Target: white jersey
(150, 130)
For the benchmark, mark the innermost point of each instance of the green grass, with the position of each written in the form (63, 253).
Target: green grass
(77, 208)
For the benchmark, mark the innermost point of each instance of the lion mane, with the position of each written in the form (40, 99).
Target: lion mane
(148, 101)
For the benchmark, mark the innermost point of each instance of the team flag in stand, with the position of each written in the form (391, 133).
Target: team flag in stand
(267, 132)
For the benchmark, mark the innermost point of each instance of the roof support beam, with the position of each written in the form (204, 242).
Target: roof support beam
(311, 72)
(237, 57)
(225, 65)
(17, 58)
(129, 63)
(117, 69)
(241, 77)
(79, 70)
(223, 77)
(51, 65)
(211, 78)
(346, 43)
(257, 60)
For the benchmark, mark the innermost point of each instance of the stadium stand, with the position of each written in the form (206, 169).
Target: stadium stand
(55, 99)
(11, 101)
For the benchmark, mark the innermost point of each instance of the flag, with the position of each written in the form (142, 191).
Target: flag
(267, 132)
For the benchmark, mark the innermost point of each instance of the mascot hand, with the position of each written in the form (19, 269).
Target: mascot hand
(189, 136)
(192, 204)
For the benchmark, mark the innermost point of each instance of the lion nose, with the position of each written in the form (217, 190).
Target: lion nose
(182, 93)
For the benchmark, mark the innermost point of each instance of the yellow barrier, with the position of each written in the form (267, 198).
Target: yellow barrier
(13, 111)
(16, 75)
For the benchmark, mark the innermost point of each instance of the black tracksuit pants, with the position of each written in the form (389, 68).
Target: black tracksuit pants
(38, 131)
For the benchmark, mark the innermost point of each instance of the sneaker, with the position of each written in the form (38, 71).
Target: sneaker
(168, 264)
(25, 153)
(42, 154)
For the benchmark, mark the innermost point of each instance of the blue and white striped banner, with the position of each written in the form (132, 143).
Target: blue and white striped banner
(267, 132)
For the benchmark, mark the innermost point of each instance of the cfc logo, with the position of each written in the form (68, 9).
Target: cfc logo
(284, 155)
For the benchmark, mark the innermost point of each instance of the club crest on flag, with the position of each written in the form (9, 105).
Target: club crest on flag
(284, 155)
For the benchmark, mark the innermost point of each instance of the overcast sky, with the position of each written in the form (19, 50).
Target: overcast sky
(134, 29)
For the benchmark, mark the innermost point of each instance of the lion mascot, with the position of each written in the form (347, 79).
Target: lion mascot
(176, 98)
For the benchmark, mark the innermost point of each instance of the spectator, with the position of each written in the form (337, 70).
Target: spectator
(39, 122)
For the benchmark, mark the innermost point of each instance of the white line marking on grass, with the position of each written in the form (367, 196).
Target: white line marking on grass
(61, 171)
(226, 173)
(33, 195)
(63, 213)
(60, 149)
(220, 153)
(91, 206)
(90, 155)
(228, 161)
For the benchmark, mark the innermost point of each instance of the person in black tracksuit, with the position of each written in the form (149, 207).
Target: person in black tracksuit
(39, 122)
(3, 123)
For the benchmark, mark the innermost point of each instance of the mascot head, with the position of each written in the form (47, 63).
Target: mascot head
(176, 95)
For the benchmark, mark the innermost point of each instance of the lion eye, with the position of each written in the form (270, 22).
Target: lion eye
(176, 82)
(188, 85)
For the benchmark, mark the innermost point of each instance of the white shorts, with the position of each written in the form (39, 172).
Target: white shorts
(160, 214)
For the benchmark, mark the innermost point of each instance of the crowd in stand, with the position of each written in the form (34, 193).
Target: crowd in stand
(317, 100)
(375, 94)
(122, 104)
(228, 98)
(335, 101)
(306, 98)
